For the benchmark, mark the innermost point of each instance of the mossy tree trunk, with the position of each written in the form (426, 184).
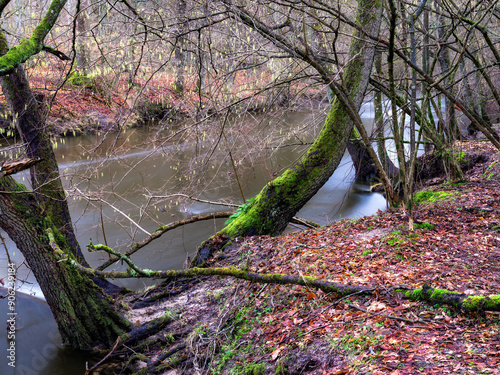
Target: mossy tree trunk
(85, 315)
(45, 178)
(40, 224)
(271, 210)
(30, 122)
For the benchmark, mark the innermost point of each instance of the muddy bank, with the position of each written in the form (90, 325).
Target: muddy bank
(226, 326)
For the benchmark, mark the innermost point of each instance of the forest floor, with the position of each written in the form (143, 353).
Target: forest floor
(229, 326)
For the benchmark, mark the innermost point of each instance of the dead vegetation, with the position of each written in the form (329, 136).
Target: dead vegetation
(226, 326)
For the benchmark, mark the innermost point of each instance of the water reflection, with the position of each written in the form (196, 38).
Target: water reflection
(37, 346)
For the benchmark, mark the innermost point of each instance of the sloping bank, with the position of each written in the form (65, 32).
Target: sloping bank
(357, 296)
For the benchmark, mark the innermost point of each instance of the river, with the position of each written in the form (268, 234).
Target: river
(126, 181)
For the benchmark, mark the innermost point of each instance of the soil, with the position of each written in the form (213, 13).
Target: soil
(229, 326)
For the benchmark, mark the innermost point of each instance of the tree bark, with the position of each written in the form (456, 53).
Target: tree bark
(85, 315)
(30, 123)
(82, 28)
(180, 54)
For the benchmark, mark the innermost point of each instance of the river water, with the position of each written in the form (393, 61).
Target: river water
(127, 180)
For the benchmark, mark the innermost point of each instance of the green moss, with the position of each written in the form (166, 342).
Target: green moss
(241, 210)
(481, 303)
(461, 157)
(249, 369)
(394, 238)
(424, 225)
(81, 80)
(427, 196)
(281, 367)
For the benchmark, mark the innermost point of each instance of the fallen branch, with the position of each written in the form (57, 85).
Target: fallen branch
(460, 301)
(324, 285)
(162, 230)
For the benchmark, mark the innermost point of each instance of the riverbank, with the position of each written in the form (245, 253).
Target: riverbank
(228, 326)
(98, 104)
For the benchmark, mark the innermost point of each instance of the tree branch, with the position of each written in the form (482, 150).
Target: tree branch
(15, 166)
(162, 230)
(427, 294)
(32, 45)
(57, 53)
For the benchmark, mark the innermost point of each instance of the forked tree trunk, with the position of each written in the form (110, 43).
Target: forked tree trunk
(279, 200)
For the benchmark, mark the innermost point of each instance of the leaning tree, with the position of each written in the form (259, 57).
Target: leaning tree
(38, 221)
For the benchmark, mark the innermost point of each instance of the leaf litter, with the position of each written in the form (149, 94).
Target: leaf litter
(455, 247)
(247, 328)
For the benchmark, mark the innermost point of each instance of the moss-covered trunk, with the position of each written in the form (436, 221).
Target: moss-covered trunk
(279, 200)
(30, 122)
(39, 223)
(85, 315)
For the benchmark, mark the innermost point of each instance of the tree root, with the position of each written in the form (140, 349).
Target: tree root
(146, 330)
(153, 364)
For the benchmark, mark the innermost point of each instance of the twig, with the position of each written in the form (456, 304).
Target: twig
(336, 302)
(387, 316)
(87, 372)
(191, 198)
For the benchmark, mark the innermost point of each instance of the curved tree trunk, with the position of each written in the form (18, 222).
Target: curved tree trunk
(45, 179)
(85, 315)
(272, 209)
(30, 123)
